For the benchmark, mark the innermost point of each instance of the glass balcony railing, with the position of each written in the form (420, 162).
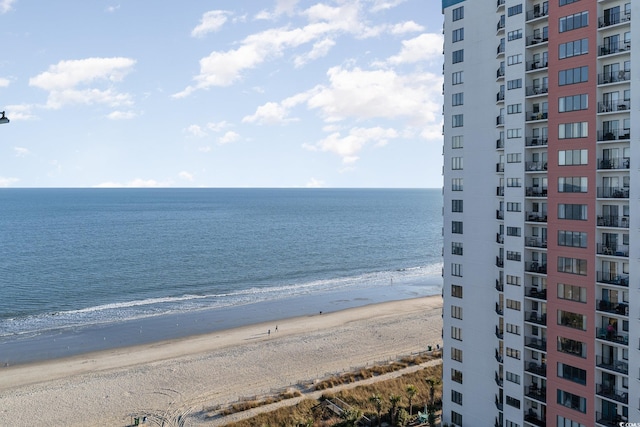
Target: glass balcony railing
(619, 308)
(612, 364)
(613, 192)
(617, 163)
(614, 77)
(612, 393)
(611, 48)
(613, 221)
(613, 18)
(612, 278)
(613, 135)
(608, 107)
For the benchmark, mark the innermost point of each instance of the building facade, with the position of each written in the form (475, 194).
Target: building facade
(541, 315)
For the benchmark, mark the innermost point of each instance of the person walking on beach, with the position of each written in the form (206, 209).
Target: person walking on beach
(276, 328)
(269, 332)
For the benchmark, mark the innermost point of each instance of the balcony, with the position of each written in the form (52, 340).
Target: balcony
(500, 25)
(499, 143)
(536, 192)
(500, 3)
(537, 13)
(613, 135)
(614, 77)
(612, 278)
(498, 379)
(609, 420)
(612, 393)
(534, 267)
(613, 221)
(499, 120)
(535, 166)
(499, 285)
(537, 293)
(614, 106)
(535, 242)
(619, 163)
(499, 405)
(536, 90)
(537, 393)
(534, 317)
(621, 309)
(536, 217)
(534, 65)
(499, 96)
(500, 73)
(535, 40)
(499, 214)
(536, 141)
(536, 343)
(537, 369)
(499, 238)
(533, 418)
(612, 336)
(500, 191)
(613, 250)
(499, 309)
(500, 48)
(612, 192)
(612, 364)
(613, 19)
(611, 48)
(498, 356)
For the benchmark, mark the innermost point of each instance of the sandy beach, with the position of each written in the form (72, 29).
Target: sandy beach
(180, 378)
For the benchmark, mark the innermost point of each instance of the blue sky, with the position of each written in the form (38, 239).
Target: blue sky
(227, 93)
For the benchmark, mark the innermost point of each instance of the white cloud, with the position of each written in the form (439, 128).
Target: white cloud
(7, 182)
(406, 27)
(6, 5)
(319, 50)
(20, 112)
(217, 126)
(21, 151)
(348, 146)
(121, 115)
(112, 9)
(63, 80)
(425, 47)
(269, 113)
(382, 5)
(195, 130)
(314, 183)
(187, 176)
(4, 82)
(229, 137)
(136, 183)
(210, 22)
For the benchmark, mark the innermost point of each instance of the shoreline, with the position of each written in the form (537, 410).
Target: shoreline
(200, 371)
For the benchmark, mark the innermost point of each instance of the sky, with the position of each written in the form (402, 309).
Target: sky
(224, 93)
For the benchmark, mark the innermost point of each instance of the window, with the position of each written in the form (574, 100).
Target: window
(574, 48)
(456, 205)
(456, 227)
(562, 421)
(456, 333)
(456, 291)
(457, 56)
(514, 231)
(514, 157)
(457, 99)
(514, 182)
(514, 133)
(456, 376)
(514, 10)
(572, 157)
(572, 320)
(572, 347)
(572, 293)
(456, 163)
(456, 312)
(573, 103)
(575, 239)
(456, 269)
(568, 211)
(513, 256)
(572, 401)
(457, 13)
(514, 108)
(514, 207)
(513, 280)
(456, 418)
(457, 120)
(575, 21)
(514, 378)
(514, 84)
(512, 401)
(458, 35)
(573, 76)
(514, 59)
(456, 184)
(512, 352)
(572, 265)
(514, 35)
(457, 78)
(513, 304)
(457, 141)
(456, 354)
(562, 3)
(456, 248)
(573, 130)
(513, 329)
(572, 373)
(574, 184)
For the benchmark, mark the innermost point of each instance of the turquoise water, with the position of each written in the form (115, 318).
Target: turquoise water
(77, 259)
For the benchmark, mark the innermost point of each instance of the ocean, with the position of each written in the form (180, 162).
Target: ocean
(90, 269)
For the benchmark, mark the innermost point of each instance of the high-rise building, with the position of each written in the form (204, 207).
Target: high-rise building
(541, 213)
